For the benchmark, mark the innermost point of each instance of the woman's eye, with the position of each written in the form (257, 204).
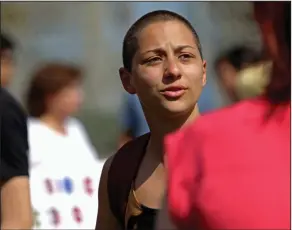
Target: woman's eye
(185, 57)
(153, 60)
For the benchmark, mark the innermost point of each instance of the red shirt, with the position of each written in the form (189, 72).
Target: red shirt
(231, 169)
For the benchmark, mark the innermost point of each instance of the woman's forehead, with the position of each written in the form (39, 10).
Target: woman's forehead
(159, 33)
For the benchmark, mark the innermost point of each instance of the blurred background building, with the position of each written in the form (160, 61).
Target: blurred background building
(91, 34)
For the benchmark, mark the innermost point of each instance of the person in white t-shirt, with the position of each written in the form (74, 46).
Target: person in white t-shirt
(64, 165)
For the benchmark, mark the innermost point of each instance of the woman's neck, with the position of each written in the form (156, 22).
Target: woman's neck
(159, 128)
(57, 123)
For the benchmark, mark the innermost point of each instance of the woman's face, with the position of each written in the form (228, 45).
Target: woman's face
(168, 73)
(67, 101)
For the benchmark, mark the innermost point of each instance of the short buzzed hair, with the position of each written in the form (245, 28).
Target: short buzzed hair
(130, 44)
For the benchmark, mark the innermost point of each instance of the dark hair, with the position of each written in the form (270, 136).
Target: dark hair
(239, 56)
(6, 43)
(130, 44)
(278, 14)
(46, 81)
(287, 25)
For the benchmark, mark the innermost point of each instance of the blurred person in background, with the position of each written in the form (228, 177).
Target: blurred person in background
(252, 80)
(231, 168)
(164, 66)
(16, 212)
(230, 64)
(133, 121)
(59, 143)
(7, 61)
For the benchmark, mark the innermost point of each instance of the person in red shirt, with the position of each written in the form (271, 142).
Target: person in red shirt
(230, 169)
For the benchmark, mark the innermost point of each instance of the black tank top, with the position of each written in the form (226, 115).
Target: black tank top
(138, 216)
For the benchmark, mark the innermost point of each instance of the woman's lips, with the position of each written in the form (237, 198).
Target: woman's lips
(173, 92)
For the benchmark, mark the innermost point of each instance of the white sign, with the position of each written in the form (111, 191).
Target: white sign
(65, 197)
(64, 176)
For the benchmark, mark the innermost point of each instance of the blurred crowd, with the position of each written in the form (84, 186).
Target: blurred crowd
(54, 96)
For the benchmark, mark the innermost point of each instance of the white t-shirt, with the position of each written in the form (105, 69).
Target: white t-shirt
(64, 176)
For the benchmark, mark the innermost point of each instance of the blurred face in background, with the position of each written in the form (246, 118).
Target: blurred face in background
(7, 67)
(230, 77)
(55, 90)
(227, 75)
(253, 80)
(67, 101)
(168, 73)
